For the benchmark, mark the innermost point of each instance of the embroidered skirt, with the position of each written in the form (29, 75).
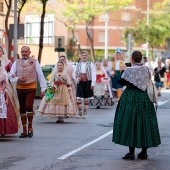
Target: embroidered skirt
(135, 123)
(62, 104)
(8, 125)
(105, 100)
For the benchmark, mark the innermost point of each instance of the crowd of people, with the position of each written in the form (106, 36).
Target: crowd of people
(69, 92)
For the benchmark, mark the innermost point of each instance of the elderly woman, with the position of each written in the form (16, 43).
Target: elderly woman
(135, 123)
(159, 76)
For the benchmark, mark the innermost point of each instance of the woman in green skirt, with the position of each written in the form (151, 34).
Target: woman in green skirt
(135, 123)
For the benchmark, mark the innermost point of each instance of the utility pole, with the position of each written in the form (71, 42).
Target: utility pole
(147, 24)
(129, 46)
(15, 30)
(106, 32)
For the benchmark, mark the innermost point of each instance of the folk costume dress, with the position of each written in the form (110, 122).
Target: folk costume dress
(135, 122)
(117, 68)
(11, 89)
(70, 71)
(8, 116)
(102, 94)
(61, 104)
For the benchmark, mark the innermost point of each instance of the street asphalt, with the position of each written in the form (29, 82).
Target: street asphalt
(75, 145)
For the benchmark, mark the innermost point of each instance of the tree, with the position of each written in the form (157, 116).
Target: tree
(70, 49)
(44, 4)
(9, 6)
(157, 30)
(88, 10)
(21, 4)
(71, 27)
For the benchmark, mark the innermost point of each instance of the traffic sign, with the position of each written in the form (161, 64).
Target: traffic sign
(59, 50)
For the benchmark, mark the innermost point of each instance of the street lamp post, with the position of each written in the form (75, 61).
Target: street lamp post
(15, 30)
(147, 24)
(106, 32)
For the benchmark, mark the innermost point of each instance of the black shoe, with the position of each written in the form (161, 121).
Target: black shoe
(30, 134)
(58, 121)
(23, 135)
(2, 135)
(129, 156)
(142, 156)
(98, 107)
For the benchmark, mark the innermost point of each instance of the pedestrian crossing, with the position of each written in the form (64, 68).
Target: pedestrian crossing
(162, 102)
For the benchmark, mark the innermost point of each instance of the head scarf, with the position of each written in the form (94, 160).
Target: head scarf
(3, 72)
(55, 71)
(102, 68)
(109, 66)
(138, 76)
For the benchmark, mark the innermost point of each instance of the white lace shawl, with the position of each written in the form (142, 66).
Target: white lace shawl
(138, 76)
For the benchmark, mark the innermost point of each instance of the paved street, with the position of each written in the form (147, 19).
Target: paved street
(51, 143)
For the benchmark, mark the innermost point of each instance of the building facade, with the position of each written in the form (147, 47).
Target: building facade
(117, 23)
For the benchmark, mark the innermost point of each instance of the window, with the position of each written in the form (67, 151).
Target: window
(101, 37)
(102, 18)
(32, 29)
(1, 7)
(126, 16)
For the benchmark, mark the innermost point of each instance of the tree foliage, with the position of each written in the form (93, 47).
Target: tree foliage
(85, 12)
(158, 29)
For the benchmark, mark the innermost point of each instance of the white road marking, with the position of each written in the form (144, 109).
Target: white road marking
(84, 146)
(161, 103)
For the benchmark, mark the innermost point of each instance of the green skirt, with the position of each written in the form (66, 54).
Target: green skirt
(135, 123)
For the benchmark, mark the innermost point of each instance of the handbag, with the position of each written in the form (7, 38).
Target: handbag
(152, 91)
(162, 79)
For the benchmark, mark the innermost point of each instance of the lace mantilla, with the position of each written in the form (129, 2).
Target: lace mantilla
(138, 76)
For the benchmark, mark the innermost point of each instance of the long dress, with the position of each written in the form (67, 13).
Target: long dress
(70, 72)
(8, 125)
(11, 89)
(101, 97)
(135, 122)
(62, 104)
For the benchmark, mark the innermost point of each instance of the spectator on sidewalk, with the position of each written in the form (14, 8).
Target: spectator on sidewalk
(159, 76)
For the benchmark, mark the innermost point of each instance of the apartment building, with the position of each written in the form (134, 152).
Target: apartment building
(117, 23)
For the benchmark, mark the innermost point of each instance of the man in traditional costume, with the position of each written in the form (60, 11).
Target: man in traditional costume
(26, 71)
(117, 66)
(86, 77)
